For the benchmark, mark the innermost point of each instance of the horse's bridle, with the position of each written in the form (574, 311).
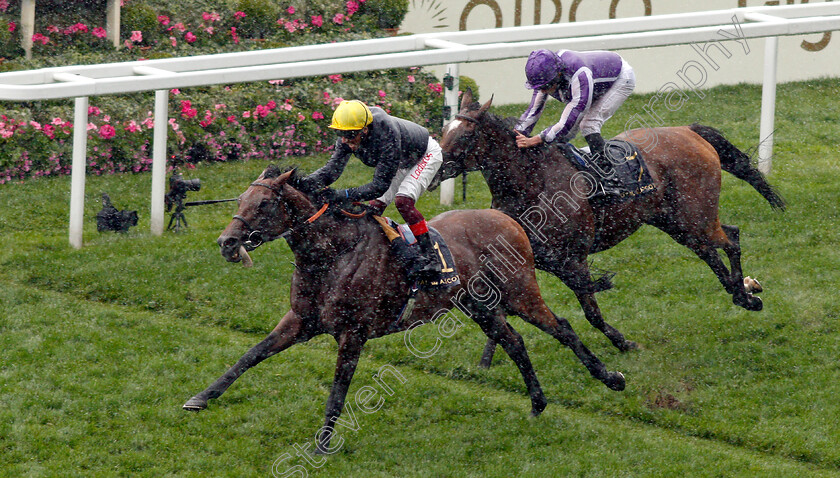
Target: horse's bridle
(467, 118)
(459, 159)
(255, 237)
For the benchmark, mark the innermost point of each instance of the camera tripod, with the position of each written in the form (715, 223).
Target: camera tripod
(177, 216)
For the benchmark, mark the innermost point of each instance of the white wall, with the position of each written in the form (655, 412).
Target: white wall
(800, 57)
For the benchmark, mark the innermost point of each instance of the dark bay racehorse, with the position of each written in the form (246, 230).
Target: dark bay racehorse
(347, 285)
(540, 189)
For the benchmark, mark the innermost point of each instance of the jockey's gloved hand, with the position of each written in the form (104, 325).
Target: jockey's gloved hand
(334, 196)
(305, 185)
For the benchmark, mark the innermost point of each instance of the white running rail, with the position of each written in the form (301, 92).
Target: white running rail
(80, 82)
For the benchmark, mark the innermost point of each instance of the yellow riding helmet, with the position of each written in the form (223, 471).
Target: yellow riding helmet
(351, 115)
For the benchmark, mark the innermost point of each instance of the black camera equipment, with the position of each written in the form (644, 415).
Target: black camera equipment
(178, 187)
(110, 219)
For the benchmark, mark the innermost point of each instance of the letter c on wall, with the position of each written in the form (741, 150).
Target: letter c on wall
(613, 6)
(497, 12)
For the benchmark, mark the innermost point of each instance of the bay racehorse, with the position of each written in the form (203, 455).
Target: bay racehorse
(347, 284)
(541, 189)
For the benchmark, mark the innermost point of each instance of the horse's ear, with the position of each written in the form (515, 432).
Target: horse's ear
(466, 99)
(287, 177)
(485, 106)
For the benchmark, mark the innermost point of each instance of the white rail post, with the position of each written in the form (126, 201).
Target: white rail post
(768, 105)
(112, 22)
(159, 160)
(450, 108)
(77, 184)
(27, 26)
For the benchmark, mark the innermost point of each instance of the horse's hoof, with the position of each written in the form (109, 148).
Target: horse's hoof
(752, 286)
(195, 404)
(615, 381)
(750, 302)
(627, 346)
(538, 407)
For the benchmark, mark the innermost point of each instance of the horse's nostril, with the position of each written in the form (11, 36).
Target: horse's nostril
(228, 242)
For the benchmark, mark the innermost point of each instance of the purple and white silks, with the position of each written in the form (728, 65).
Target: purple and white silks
(588, 76)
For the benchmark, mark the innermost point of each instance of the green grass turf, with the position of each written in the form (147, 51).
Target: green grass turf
(99, 347)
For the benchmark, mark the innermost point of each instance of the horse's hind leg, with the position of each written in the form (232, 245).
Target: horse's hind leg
(350, 345)
(287, 333)
(740, 295)
(497, 329)
(487, 354)
(735, 287)
(704, 239)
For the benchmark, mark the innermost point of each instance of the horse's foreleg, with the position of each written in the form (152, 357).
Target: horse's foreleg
(567, 336)
(538, 314)
(497, 329)
(593, 314)
(350, 344)
(287, 333)
(575, 274)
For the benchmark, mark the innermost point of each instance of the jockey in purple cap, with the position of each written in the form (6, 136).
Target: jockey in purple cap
(593, 85)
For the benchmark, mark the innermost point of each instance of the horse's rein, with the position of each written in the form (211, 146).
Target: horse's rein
(466, 118)
(475, 121)
(255, 238)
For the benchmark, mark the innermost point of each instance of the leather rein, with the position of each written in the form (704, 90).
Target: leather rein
(255, 237)
(467, 118)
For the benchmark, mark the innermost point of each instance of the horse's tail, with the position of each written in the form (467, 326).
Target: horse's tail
(738, 163)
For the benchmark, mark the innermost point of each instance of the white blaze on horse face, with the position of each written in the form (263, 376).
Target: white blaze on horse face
(454, 124)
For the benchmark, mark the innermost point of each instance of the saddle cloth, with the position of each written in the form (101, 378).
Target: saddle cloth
(448, 272)
(630, 168)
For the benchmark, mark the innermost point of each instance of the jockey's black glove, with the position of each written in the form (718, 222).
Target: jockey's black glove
(334, 196)
(304, 185)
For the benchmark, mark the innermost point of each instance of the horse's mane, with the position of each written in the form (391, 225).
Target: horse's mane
(538, 153)
(273, 171)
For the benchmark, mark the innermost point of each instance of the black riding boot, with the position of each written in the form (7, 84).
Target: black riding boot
(415, 260)
(429, 268)
(603, 166)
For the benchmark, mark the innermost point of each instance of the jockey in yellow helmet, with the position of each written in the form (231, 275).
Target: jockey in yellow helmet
(405, 160)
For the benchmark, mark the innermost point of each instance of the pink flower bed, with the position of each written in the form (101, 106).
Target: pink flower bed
(290, 120)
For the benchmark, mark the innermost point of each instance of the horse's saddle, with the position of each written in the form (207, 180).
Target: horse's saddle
(448, 274)
(630, 169)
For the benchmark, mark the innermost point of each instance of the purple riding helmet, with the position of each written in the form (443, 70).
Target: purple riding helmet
(542, 67)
